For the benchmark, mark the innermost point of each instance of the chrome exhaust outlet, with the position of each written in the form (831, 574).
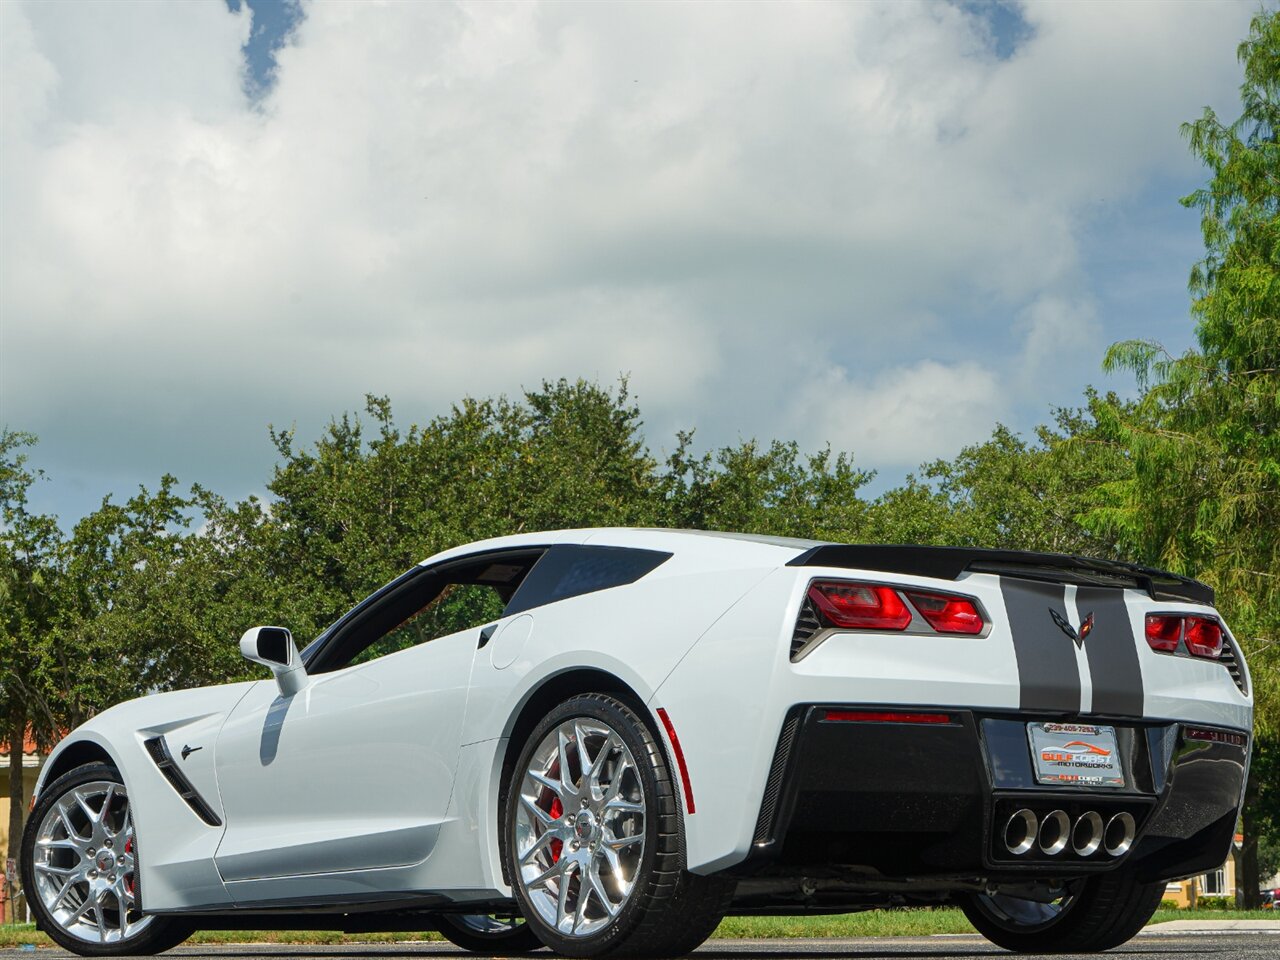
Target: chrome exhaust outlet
(1086, 835)
(1055, 833)
(1119, 834)
(1020, 832)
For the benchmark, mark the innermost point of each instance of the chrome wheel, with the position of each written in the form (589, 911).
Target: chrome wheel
(1021, 915)
(486, 924)
(84, 864)
(580, 827)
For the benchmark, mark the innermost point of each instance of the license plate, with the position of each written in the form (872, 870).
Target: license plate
(1075, 753)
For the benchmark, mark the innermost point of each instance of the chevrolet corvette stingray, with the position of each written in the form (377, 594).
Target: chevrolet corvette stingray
(604, 741)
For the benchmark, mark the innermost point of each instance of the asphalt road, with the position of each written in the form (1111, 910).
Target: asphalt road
(1150, 945)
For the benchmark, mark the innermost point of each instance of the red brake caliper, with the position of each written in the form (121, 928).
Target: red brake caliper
(128, 880)
(556, 811)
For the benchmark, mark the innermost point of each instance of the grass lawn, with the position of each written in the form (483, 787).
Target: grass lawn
(871, 923)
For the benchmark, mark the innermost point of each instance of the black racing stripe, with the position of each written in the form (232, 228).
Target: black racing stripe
(1048, 674)
(1113, 652)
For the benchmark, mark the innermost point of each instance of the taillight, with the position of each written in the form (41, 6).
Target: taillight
(1204, 637)
(1163, 632)
(860, 605)
(947, 614)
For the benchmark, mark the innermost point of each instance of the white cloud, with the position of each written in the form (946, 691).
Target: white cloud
(904, 414)
(725, 201)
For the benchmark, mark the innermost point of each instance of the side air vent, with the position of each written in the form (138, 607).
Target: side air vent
(808, 623)
(1230, 658)
(773, 786)
(159, 751)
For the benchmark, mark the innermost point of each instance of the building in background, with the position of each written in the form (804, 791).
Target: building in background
(31, 761)
(1215, 883)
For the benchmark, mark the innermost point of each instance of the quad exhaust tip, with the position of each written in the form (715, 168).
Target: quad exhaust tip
(1025, 830)
(1119, 834)
(1020, 832)
(1086, 835)
(1055, 833)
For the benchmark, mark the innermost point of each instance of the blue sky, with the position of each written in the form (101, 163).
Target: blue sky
(884, 227)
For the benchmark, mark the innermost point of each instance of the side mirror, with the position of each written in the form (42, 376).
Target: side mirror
(273, 647)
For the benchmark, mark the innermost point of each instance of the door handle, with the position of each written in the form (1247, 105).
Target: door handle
(486, 635)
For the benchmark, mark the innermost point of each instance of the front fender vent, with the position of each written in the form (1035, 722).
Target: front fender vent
(159, 751)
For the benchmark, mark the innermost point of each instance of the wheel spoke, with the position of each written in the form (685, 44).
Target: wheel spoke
(598, 766)
(541, 814)
(55, 871)
(615, 785)
(556, 869)
(89, 812)
(537, 847)
(67, 887)
(101, 915)
(623, 806)
(566, 779)
(584, 897)
(603, 895)
(562, 900)
(555, 786)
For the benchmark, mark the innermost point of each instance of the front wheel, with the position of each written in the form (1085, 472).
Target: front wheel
(1094, 914)
(489, 934)
(79, 868)
(592, 839)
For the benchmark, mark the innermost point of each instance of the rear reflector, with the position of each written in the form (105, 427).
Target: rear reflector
(1204, 637)
(684, 770)
(861, 606)
(1215, 736)
(947, 614)
(880, 716)
(1163, 632)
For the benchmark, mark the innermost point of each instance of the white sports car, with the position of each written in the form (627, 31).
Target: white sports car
(614, 738)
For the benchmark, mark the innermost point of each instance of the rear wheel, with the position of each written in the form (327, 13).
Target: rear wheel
(1094, 914)
(489, 933)
(79, 868)
(592, 839)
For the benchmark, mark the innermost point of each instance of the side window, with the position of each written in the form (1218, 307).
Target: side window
(459, 606)
(424, 604)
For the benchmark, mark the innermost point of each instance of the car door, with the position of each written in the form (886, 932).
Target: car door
(355, 771)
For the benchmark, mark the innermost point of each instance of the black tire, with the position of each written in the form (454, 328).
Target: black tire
(669, 910)
(504, 936)
(159, 933)
(1102, 912)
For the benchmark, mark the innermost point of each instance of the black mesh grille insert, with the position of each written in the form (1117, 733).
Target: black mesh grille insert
(159, 751)
(1231, 660)
(773, 786)
(808, 623)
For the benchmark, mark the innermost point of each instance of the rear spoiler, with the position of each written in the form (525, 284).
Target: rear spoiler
(947, 563)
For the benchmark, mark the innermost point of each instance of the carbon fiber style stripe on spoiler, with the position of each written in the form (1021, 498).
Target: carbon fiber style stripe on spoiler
(947, 563)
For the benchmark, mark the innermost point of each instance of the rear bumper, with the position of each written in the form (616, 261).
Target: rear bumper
(916, 800)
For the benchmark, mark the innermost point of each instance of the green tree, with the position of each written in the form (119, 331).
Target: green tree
(1205, 495)
(1012, 493)
(30, 547)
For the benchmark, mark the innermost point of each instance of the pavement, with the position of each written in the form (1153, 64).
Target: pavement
(1176, 940)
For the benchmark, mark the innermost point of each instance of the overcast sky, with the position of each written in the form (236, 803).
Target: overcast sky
(883, 227)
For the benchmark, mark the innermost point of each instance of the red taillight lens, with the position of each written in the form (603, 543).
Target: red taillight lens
(948, 614)
(1204, 637)
(861, 606)
(1163, 632)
